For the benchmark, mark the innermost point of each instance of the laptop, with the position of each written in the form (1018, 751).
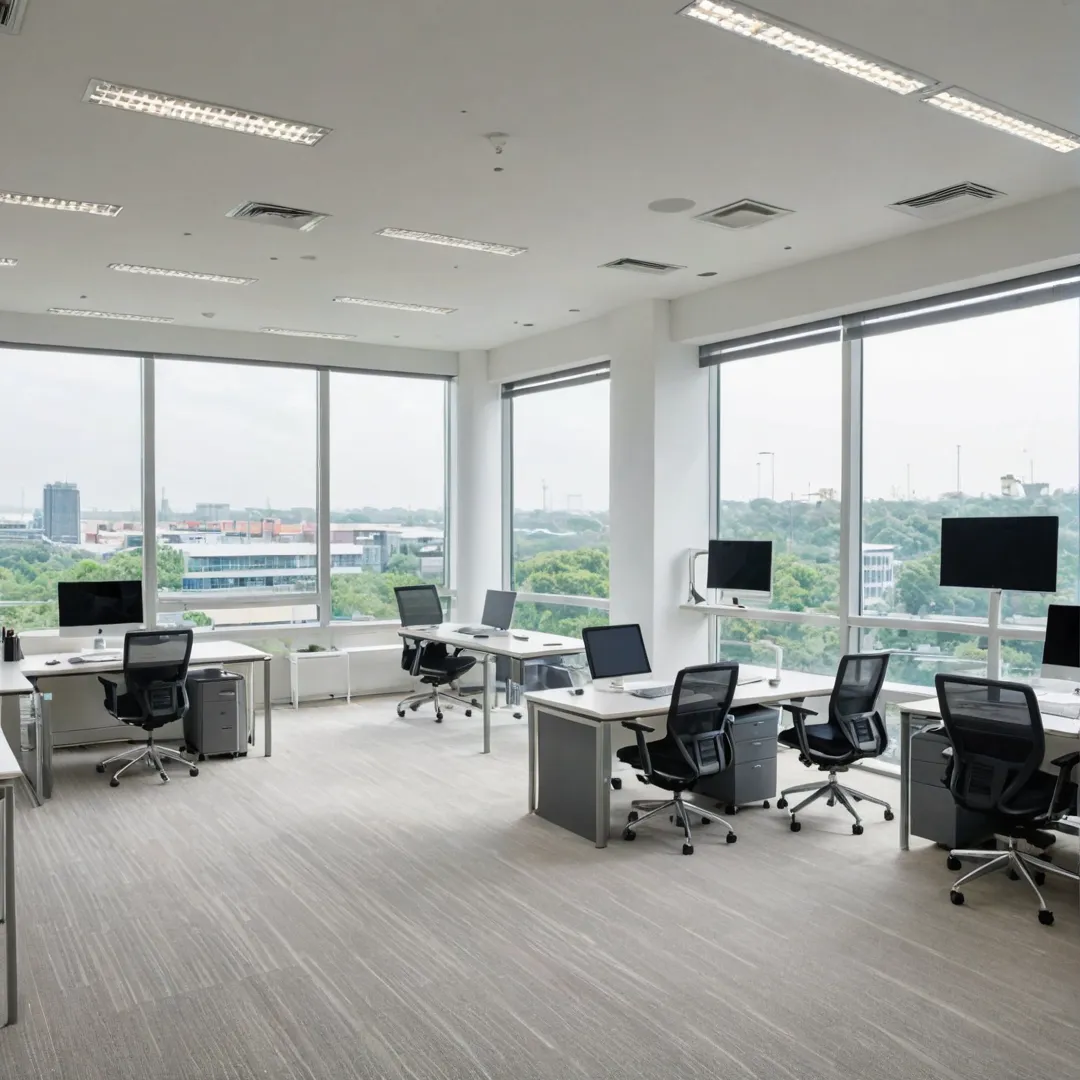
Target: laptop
(497, 617)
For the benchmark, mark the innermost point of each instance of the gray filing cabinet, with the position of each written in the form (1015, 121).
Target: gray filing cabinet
(752, 775)
(934, 813)
(216, 720)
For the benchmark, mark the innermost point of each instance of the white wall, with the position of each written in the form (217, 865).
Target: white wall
(17, 328)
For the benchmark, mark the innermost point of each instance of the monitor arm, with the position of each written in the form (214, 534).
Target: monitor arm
(695, 597)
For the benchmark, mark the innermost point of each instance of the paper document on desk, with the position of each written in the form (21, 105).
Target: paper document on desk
(1067, 705)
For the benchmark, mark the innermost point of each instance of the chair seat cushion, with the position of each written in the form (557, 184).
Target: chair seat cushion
(665, 758)
(824, 738)
(449, 665)
(1035, 796)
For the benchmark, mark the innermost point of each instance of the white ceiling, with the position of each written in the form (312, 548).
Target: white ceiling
(609, 105)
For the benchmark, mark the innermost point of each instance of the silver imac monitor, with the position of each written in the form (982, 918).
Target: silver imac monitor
(499, 609)
(741, 569)
(1061, 649)
(613, 652)
(86, 607)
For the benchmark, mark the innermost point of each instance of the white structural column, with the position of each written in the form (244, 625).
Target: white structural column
(659, 482)
(476, 485)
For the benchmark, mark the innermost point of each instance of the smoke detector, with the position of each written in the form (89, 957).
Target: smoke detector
(744, 214)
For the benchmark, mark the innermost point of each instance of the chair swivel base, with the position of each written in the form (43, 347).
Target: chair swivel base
(414, 701)
(836, 793)
(155, 757)
(681, 816)
(1018, 864)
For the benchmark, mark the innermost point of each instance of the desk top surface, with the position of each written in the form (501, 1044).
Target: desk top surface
(1052, 725)
(604, 705)
(534, 646)
(12, 679)
(202, 652)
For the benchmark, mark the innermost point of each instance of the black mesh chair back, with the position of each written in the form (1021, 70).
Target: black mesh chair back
(155, 667)
(698, 720)
(997, 737)
(418, 605)
(852, 707)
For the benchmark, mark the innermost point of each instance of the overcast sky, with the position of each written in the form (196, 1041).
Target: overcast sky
(1005, 388)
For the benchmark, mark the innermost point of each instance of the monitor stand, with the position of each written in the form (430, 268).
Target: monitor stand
(610, 686)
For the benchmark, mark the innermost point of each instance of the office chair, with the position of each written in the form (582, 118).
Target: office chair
(994, 765)
(855, 730)
(150, 695)
(698, 743)
(429, 660)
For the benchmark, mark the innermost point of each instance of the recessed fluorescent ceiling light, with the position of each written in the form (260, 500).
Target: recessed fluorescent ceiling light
(756, 25)
(9, 262)
(47, 202)
(954, 100)
(155, 103)
(306, 333)
(451, 241)
(190, 275)
(108, 315)
(427, 309)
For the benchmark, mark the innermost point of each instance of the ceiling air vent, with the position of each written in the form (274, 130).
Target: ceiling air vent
(641, 266)
(948, 202)
(11, 15)
(744, 214)
(285, 217)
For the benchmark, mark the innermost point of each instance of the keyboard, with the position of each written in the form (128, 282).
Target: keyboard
(481, 631)
(650, 692)
(1057, 704)
(98, 657)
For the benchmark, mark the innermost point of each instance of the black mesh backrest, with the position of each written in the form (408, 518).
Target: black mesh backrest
(997, 736)
(853, 705)
(155, 667)
(418, 605)
(698, 720)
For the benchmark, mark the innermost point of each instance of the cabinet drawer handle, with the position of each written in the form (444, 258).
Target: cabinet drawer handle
(758, 743)
(757, 766)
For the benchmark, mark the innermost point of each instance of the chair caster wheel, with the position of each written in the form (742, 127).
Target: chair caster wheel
(731, 838)
(632, 816)
(1012, 875)
(413, 708)
(765, 805)
(1046, 918)
(401, 712)
(688, 849)
(831, 802)
(953, 863)
(956, 896)
(164, 776)
(1039, 877)
(706, 821)
(114, 782)
(468, 712)
(781, 803)
(193, 771)
(100, 768)
(731, 808)
(796, 826)
(857, 830)
(438, 718)
(889, 815)
(616, 783)
(517, 716)
(629, 834)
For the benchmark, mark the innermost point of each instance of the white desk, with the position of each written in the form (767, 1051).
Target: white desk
(40, 669)
(601, 709)
(295, 659)
(534, 646)
(12, 683)
(928, 710)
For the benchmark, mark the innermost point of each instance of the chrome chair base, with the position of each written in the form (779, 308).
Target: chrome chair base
(436, 697)
(153, 754)
(835, 792)
(681, 811)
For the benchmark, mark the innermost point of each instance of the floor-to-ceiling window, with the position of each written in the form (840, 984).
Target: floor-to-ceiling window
(558, 431)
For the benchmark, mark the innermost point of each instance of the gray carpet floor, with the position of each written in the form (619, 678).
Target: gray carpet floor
(373, 902)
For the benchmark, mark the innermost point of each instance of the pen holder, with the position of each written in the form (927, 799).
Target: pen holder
(11, 648)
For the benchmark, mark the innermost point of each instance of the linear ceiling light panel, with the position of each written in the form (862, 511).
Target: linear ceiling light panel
(9, 262)
(426, 309)
(155, 103)
(306, 333)
(953, 99)
(758, 26)
(47, 202)
(123, 316)
(189, 275)
(451, 241)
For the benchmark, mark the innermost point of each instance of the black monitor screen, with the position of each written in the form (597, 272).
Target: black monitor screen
(99, 603)
(740, 565)
(499, 609)
(1017, 553)
(615, 651)
(1062, 645)
(419, 605)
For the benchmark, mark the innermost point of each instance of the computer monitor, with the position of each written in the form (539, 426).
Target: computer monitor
(419, 605)
(499, 609)
(614, 652)
(1061, 649)
(1015, 553)
(93, 604)
(741, 567)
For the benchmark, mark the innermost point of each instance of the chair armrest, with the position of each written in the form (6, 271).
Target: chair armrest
(637, 727)
(948, 753)
(797, 710)
(1067, 762)
(1065, 765)
(642, 745)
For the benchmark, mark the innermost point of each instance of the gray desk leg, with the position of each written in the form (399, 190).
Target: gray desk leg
(532, 758)
(266, 708)
(905, 779)
(9, 905)
(45, 744)
(603, 783)
(489, 684)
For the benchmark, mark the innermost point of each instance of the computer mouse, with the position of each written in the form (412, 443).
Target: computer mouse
(51, 663)
(521, 637)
